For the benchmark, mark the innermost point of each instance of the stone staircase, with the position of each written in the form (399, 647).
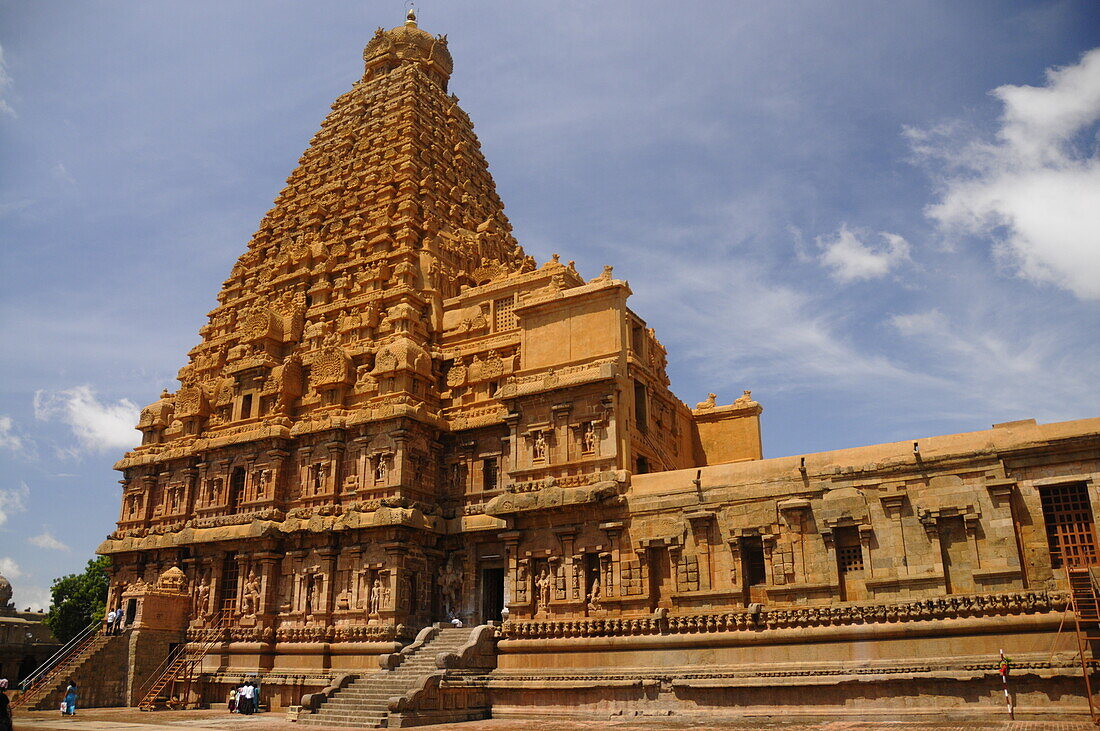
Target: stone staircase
(364, 703)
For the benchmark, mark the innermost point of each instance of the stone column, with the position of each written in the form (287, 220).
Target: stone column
(700, 529)
(222, 468)
(363, 467)
(574, 589)
(191, 482)
(278, 459)
(269, 582)
(395, 564)
(511, 567)
(328, 574)
(613, 529)
(866, 533)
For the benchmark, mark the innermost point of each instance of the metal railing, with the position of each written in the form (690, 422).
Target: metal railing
(180, 664)
(32, 684)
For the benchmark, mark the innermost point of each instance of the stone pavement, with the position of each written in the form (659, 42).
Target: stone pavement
(129, 719)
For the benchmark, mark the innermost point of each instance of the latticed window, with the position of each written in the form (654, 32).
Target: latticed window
(504, 314)
(1068, 517)
(849, 558)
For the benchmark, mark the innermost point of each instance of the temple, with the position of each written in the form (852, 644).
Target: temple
(396, 423)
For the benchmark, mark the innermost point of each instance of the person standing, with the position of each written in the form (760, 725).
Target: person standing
(111, 622)
(246, 691)
(70, 698)
(5, 707)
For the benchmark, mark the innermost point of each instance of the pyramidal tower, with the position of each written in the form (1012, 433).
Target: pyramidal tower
(387, 388)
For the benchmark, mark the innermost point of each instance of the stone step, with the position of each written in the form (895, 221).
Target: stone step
(362, 718)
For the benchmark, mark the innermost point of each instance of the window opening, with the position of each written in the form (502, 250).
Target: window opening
(1068, 517)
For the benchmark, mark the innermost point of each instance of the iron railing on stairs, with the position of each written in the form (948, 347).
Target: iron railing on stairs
(172, 680)
(47, 675)
(1085, 602)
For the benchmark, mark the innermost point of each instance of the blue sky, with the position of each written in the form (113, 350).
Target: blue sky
(880, 217)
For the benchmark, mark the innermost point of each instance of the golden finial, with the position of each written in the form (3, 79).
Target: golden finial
(410, 17)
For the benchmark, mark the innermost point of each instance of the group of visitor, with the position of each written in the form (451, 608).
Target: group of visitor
(114, 621)
(245, 698)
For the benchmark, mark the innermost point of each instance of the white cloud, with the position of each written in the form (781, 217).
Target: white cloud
(45, 539)
(35, 598)
(5, 84)
(850, 259)
(1034, 190)
(8, 438)
(63, 173)
(97, 426)
(10, 569)
(13, 501)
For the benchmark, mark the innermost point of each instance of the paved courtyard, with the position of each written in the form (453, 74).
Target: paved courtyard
(128, 719)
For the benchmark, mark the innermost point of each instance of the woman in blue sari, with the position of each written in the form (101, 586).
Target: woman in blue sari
(70, 698)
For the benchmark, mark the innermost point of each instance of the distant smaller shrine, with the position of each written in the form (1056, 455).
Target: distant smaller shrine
(25, 641)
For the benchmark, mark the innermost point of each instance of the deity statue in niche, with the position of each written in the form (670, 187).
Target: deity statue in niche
(376, 596)
(250, 601)
(540, 447)
(588, 438)
(543, 583)
(202, 598)
(450, 584)
(595, 595)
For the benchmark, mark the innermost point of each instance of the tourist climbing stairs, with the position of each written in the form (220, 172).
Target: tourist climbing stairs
(57, 670)
(364, 703)
(170, 683)
(1086, 614)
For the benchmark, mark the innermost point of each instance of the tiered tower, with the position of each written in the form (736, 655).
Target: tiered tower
(386, 381)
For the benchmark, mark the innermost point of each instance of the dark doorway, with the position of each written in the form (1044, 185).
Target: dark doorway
(131, 611)
(27, 666)
(752, 568)
(492, 594)
(660, 578)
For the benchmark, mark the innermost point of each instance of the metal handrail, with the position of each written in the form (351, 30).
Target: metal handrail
(58, 656)
(162, 668)
(190, 651)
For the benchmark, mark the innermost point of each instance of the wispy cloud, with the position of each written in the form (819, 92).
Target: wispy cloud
(45, 539)
(9, 437)
(62, 173)
(1034, 189)
(13, 500)
(5, 86)
(849, 258)
(97, 426)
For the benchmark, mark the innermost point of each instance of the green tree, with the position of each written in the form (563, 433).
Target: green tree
(78, 599)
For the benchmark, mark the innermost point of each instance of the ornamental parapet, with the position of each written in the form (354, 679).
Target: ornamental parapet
(951, 607)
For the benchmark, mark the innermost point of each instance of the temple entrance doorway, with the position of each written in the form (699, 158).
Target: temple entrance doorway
(753, 574)
(1068, 517)
(849, 564)
(492, 594)
(131, 611)
(958, 556)
(660, 577)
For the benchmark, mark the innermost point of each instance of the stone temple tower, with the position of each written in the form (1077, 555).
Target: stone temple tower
(386, 383)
